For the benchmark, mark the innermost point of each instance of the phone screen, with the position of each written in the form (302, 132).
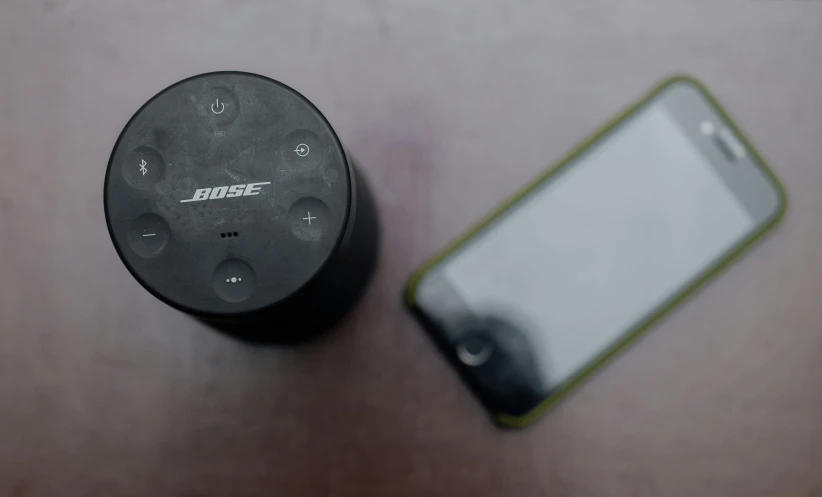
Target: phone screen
(588, 255)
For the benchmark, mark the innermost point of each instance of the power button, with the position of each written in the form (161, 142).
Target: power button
(219, 105)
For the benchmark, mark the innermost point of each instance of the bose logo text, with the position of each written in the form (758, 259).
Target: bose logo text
(226, 192)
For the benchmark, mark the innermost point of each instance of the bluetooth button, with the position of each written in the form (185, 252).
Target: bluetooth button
(143, 167)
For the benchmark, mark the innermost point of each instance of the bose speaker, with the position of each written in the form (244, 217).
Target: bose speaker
(229, 196)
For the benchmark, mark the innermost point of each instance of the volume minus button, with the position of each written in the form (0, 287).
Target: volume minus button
(148, 235)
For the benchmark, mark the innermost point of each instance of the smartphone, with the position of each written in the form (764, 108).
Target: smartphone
(547, 288)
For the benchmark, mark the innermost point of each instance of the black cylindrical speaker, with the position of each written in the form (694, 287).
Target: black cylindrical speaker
(230, 197)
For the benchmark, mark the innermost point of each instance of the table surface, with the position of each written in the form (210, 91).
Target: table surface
(449, 105)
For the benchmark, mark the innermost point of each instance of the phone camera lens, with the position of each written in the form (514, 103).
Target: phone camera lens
(474, 351)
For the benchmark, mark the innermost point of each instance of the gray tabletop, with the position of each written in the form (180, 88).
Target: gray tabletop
(449, 105)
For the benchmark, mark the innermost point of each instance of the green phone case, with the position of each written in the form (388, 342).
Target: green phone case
(610, 353)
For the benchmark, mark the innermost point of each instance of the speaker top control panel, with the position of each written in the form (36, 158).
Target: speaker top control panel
(226, 193)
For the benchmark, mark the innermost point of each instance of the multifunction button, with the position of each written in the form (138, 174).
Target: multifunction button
(234, 280)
